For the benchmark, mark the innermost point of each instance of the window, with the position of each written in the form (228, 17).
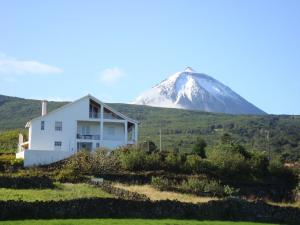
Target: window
(57, 145)
(85, 130)
(58, 125)
(97, 145)
(42, 125)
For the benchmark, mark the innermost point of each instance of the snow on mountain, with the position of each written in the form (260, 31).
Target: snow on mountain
(197, 91)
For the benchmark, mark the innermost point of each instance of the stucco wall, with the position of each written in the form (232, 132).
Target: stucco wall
(42, 157)
(44, 139)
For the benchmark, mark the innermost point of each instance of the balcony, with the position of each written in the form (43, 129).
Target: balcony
(88, 136)
(94, 115)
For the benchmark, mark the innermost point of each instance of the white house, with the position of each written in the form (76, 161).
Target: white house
(86, 123)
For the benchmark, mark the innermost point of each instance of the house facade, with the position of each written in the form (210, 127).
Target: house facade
(86, 123)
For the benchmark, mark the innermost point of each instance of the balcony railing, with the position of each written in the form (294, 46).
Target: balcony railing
(94, 115)
(88, 136)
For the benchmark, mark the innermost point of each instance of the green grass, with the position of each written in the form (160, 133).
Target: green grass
(123, 221)
(61, 192)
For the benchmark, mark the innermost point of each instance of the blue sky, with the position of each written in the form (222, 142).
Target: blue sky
(115, 50)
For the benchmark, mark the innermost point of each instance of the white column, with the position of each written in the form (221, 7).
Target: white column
(136, 132)
(126, 132)
(101, 126)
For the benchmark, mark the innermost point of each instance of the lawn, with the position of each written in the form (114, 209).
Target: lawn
(155, 194)
(64, 191)
(123, 222)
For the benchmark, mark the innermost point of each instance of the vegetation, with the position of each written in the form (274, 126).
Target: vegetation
(180, 128)
(229, 169)
(9, 140)
(199, 147)
(64, 191)
(124, 222)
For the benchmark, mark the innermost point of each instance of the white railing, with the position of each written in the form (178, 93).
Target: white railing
(94, 115)
(88, 136)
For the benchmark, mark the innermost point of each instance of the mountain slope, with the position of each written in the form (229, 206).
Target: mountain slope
(180, 128)
(191, 90)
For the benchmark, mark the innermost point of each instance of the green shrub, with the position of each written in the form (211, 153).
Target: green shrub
(103, 162)
(134, 159)
(173, 162)
(9, 140)
(193, 185)
(17, 163)
(75, 168)
(161, 183)
(192, 164)
(70, 175)
(282, 175)
(153, 161)
(259, 163)
(229, 163)
(230, 191)
(199, 147)
(215, 188)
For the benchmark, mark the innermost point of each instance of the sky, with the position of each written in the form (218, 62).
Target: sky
(115, 50)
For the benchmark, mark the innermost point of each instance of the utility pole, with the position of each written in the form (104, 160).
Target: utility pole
(268, 143)
(160, 148)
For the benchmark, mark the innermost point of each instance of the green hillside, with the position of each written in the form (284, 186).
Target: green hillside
(181, 127)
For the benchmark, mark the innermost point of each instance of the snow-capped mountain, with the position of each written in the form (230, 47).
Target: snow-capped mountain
(197, 91)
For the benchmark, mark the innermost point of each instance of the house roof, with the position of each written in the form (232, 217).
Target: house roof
(90, 97)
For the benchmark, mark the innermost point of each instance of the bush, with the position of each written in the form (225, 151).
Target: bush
(103, 162)
(282, 175)
(199, 147)
(192, 164)
(161, 183)
(17, 163)
(134, 159)
(195, 164)
(75, 168)
(229, 163)
(173, 162)
(153, 161)
(259, 163)
(230, 191)
(193, 185)
(70, 175)
(215, 188)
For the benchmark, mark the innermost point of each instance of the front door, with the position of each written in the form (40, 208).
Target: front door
(84, 145)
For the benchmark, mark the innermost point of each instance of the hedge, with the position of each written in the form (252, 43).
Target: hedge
(228, 209)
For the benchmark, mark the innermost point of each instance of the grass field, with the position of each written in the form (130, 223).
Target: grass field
(155, 194)
(61, 192)
(123, 222)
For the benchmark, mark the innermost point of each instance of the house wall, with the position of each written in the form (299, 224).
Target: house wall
(42, 157)
(44, 139)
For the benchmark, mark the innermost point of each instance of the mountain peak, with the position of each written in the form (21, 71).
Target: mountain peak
(189, 70)
(197, 91)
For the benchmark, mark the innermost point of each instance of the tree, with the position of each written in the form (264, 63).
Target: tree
(226, 139)
(199, 147)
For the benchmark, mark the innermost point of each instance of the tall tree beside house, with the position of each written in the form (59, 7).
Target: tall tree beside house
(199, 147)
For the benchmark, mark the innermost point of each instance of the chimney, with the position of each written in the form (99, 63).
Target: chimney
(44, 107)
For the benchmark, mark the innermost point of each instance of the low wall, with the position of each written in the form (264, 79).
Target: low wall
(228, 209)
(42, 157)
